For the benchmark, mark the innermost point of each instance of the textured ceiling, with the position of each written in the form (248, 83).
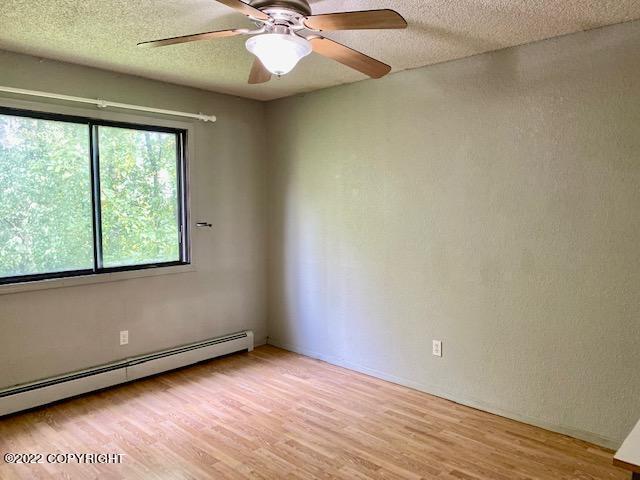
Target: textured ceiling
(104, 33)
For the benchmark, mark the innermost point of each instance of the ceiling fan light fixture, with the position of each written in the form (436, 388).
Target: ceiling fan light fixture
(279, 52)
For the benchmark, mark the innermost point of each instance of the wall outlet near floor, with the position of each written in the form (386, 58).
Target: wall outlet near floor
(124, 337)
(437, 348)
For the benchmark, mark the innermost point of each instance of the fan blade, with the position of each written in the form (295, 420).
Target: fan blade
(259, 74)
(245, 9)
(192, 38)
(349, 57)
(364, 19)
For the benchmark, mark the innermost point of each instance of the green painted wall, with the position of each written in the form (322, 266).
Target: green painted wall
(492, 203)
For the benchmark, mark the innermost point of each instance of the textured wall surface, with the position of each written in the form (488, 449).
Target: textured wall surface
(492, 203)
(48, 332)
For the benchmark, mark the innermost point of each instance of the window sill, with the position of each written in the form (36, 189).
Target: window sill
(92, 279)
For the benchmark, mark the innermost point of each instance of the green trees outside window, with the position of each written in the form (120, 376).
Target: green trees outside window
(81, 196)
(45, 197)
(139, 197)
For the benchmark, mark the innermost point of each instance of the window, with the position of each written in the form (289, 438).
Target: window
(81, 196)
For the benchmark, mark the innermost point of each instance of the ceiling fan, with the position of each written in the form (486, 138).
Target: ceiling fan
(288, 32)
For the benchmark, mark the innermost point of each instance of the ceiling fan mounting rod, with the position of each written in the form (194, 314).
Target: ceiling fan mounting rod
(299, 6)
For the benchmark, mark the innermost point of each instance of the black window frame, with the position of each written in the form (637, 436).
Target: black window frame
(93, 125)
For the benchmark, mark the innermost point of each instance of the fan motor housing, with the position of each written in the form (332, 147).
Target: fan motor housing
(299, 6)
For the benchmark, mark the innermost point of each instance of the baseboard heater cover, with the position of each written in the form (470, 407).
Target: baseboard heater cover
(29, 395)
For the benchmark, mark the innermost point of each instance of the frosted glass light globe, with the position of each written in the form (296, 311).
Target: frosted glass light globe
(279, 52)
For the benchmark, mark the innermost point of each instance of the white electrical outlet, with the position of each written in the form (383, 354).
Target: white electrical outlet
(437, 348)
(124, 337)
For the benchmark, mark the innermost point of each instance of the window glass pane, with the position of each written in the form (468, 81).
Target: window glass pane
(45, 197)
(139, 196)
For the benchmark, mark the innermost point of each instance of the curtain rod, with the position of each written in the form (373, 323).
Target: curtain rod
(105, 104)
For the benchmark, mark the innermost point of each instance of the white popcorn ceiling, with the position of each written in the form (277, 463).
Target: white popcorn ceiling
(104, 33)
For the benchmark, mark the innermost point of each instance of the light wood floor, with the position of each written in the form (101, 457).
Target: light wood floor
(272, 414)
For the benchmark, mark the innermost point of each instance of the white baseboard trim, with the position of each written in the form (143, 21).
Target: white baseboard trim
(135, 371)
(438, 392)
(45, 391)
(52, 393)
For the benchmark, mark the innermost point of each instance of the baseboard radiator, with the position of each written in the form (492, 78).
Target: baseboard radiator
(29, 395)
